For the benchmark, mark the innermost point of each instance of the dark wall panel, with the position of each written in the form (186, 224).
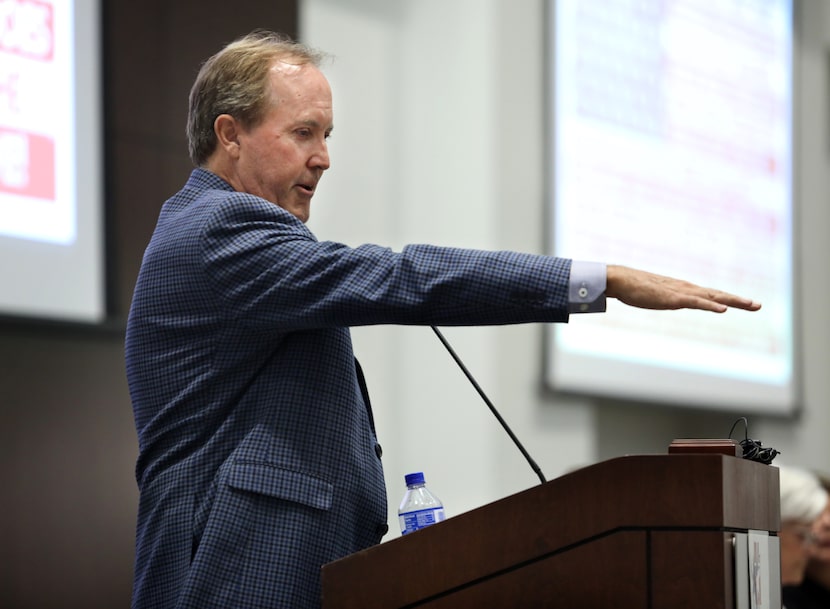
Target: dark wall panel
(154, 50)
(67, 442)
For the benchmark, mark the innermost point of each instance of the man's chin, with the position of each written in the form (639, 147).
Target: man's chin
(301, 211)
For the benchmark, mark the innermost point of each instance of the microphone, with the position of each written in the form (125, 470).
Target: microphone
(490, 405)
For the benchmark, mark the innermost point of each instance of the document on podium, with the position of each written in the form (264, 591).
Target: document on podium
(764, 571)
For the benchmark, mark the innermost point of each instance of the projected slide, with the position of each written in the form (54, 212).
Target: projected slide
(36, 121)
(672, 151)
(51, 240)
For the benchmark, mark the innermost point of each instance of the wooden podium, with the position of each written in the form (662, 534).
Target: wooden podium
(651, 532)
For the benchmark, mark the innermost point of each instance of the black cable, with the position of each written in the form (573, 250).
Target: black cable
(490, 405)
(752, 449)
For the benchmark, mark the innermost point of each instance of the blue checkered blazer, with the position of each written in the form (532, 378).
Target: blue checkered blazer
(258, 460)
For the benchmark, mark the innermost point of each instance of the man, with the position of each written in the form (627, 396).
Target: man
(813, 590)
(802, 502)
(258, 457)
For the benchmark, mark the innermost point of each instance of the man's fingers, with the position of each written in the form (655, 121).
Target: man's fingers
(732, 300)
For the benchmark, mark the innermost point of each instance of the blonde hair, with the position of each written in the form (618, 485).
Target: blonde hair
(234, 81)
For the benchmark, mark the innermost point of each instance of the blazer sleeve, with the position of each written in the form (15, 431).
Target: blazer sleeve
(268, 269)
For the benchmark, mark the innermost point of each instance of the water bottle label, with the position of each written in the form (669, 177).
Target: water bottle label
(412, 521)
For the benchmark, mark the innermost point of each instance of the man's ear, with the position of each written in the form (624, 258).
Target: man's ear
(227, 131)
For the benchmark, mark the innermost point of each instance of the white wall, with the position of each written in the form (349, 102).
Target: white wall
(439, 137)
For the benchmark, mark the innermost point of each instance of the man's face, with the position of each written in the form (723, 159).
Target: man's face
(283, 157)
(796, 540)
(821, 531)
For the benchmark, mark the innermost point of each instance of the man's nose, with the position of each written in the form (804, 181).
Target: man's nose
(320, 159)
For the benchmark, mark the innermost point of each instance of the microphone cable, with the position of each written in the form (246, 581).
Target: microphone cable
(490, 405)
(752, 449)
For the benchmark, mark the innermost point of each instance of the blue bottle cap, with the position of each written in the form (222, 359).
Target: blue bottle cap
(416, 478)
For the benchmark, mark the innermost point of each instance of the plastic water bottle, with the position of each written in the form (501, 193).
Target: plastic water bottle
(419, 507)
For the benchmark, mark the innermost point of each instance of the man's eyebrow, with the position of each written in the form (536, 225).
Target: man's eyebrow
(310, 122)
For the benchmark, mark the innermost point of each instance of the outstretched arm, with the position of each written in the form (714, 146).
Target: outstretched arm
(650, 291)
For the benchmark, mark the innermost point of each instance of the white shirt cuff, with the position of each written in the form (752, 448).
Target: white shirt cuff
(586, 293)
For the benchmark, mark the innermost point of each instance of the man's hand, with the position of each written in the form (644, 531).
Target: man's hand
(649, 291)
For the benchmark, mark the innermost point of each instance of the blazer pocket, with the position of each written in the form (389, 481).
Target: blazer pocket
(274, 481)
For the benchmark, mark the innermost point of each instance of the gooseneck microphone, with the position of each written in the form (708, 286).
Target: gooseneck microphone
(490, 405)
